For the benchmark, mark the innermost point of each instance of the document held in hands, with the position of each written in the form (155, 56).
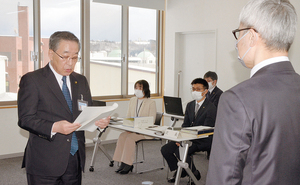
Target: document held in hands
(90, 115)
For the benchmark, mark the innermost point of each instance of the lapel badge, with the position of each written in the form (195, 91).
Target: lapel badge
(75, 82)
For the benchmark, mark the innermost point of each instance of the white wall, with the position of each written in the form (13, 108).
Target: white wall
(13, 139)
(220, 15)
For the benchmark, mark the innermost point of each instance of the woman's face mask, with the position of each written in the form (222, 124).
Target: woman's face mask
(138, 93)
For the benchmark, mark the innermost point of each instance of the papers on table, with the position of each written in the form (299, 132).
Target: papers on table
(196, 132)
(138, 122)
(116, 121)
(90, 115)
(197, 129)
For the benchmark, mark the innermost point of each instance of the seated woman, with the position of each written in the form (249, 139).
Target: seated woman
(139, 106)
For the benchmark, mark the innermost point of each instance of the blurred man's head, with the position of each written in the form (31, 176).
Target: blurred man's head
(211, 78)
(274, 20)
(63, 52)
(267, 29)
(199, 89)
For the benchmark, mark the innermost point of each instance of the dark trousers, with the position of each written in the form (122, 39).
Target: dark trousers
(72, 175)
(170, 152)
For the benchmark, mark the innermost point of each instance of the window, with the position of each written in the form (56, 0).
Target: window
(16, 32)
(123, 48)
(57, 15)
(7, 55)
(105, 49)
(19, 55)
(142, 47)
(123, 42)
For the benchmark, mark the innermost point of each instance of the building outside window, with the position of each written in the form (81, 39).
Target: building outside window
(110, 54)
(15, 45)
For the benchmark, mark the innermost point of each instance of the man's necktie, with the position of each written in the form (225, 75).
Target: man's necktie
(66, 92)
(196, 109)
(208, 95)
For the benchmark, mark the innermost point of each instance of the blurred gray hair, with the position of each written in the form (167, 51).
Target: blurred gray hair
(56, 37)
(274, 20)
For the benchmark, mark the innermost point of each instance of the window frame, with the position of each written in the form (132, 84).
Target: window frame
(125, 55)
(85, 48)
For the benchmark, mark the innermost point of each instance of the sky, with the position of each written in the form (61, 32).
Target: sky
(65, 15)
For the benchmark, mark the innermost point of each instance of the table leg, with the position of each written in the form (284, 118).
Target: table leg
(183, 165)
(97, 141)
(186, 148)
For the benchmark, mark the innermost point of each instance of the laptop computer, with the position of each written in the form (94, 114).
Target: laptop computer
(173, 105)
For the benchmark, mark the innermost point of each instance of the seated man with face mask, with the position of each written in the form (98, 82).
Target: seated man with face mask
(199, 112)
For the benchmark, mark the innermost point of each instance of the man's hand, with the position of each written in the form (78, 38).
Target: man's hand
(102, 123)
(65, 127)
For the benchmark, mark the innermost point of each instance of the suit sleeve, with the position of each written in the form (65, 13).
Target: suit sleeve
(28, 100)
(216, 101)
(217, 97)
(232, 139)
(130, 109)
(210, 118)
(187, 121)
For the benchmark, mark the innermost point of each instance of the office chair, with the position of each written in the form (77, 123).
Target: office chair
(190, 182)
(206, 150)
(141, 142)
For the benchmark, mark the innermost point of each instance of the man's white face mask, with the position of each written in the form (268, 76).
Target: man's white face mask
(197, 95)
(237, 50)
(210, 85)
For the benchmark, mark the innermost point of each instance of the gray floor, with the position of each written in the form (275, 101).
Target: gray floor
(12, 174)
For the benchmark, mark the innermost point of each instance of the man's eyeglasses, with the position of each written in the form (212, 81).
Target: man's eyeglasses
(73, 59)
(196, 89)
(236, 32)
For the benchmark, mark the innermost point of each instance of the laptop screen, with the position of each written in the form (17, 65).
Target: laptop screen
(173, 105)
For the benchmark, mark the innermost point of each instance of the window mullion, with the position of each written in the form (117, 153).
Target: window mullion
(37, 34)
(85, 38)
(124, 51)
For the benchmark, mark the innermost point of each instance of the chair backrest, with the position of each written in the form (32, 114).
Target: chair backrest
(158, 118)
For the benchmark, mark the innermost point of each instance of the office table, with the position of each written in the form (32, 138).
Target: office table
(181, 164)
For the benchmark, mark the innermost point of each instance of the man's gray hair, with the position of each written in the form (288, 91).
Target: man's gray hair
(274, 20)
(56, 37)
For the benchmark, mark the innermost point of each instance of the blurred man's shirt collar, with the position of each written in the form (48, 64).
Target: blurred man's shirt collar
(268, 62)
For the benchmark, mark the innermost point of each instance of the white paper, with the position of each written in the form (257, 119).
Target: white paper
(198, 128)
(172, 133)
(90, 115)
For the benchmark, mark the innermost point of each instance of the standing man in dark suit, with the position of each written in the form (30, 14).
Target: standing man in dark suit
(214, 92)
(198, 112)
(47, 107)
(256, 138)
